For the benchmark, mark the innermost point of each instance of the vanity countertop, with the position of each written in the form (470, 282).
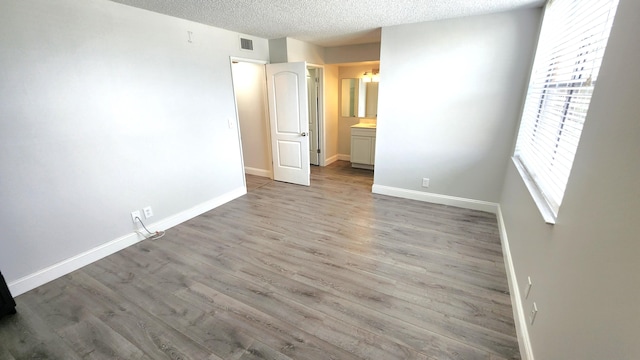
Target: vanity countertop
(364, 125)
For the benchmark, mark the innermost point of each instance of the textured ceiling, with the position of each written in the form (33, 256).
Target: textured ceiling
(325, 23)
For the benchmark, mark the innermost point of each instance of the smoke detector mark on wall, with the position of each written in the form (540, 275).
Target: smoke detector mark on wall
(246, 44)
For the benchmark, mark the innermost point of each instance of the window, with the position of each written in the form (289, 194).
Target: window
(565, 71)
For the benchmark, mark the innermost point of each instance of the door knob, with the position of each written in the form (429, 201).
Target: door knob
(304, 134)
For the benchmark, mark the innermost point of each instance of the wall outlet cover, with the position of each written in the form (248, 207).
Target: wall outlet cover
(534, 312)
(528, 289)
(134, 215)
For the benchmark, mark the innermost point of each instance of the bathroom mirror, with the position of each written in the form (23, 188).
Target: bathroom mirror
(359, 98)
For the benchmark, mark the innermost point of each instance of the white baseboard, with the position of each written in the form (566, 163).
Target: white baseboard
(257, 172)
(71, 264)
(344, 157)
(41, 277)
(436, 198)
(202, 208)
(524, 342)
(331, 160)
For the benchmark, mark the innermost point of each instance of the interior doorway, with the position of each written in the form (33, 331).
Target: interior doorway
(250, 90)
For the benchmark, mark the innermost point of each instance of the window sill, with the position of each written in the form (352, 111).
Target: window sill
(543, 207)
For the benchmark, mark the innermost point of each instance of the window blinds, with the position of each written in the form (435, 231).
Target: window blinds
(570, 49)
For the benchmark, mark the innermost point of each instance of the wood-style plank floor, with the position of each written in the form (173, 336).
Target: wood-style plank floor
(330, 271)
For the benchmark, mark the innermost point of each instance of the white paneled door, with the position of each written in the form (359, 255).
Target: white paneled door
(289, 118)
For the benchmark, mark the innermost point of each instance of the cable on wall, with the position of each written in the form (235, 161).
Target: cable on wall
(151, 235)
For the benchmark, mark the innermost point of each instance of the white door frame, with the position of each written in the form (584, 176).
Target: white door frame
(265, 115)
(321, 123)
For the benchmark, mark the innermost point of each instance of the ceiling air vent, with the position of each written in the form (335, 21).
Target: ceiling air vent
(246, 44)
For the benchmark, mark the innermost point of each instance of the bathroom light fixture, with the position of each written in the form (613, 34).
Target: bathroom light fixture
(371, 76)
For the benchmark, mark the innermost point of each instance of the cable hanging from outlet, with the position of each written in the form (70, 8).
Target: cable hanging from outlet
(152, 235)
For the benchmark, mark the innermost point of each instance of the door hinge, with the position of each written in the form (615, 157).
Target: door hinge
(318, 151)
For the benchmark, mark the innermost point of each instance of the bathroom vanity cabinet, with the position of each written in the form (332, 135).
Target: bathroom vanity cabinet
(363, 146)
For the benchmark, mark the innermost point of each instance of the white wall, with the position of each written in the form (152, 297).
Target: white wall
(251, 93)
(278, 50)
(352, 53)
(585, 268)
(107, 109)
(449, 101)
(292, 50)
(303, 51)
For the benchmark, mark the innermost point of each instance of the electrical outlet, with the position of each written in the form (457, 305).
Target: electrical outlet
(148, 212)
(425, 182)
(134, 215)
(528, 290)
(533, 313)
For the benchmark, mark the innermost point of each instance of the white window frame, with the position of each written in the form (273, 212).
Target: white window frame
(572, 42)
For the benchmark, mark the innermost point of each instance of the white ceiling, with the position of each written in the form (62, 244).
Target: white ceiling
(326, 22)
